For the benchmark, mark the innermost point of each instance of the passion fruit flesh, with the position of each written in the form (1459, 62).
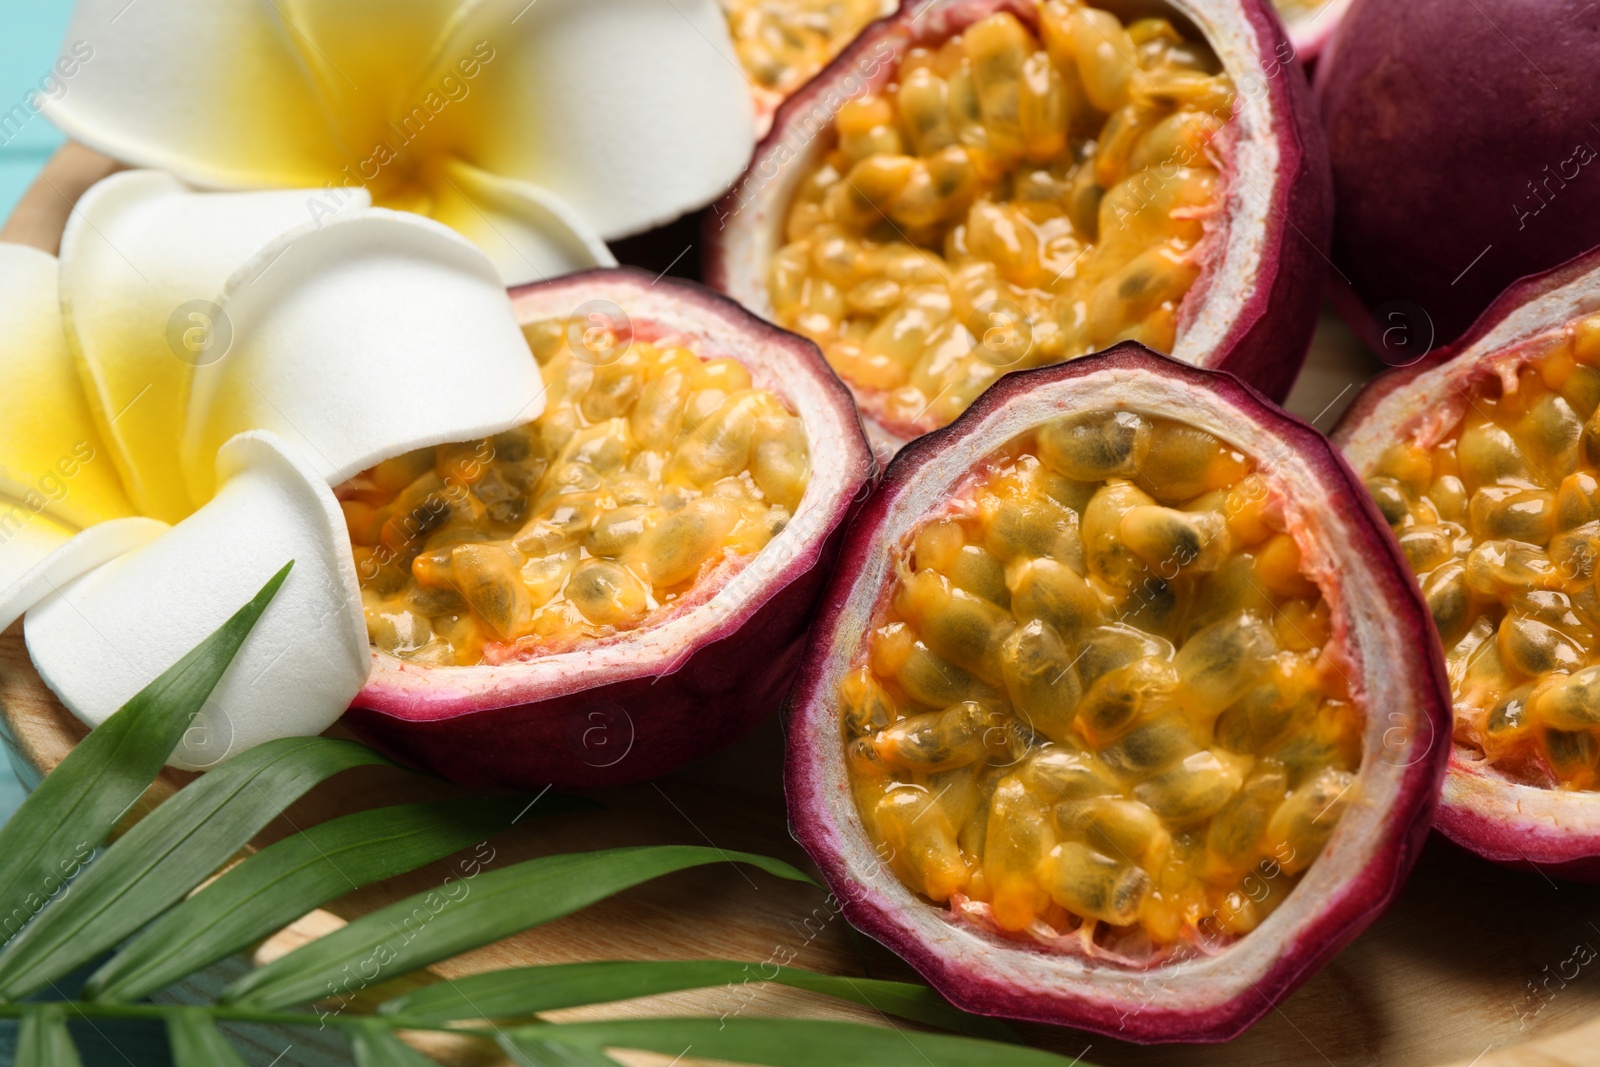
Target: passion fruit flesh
(1115, 720)
(649, 468)
(781, 45)
(1102, 694)
(1496, 503)
(1016, 196)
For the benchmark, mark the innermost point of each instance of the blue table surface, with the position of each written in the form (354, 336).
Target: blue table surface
(30, 32)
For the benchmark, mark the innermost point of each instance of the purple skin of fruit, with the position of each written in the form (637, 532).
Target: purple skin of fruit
(1556, 832)
(1463, 158)
(643, 703)
(1253, 308)
(1394, 661)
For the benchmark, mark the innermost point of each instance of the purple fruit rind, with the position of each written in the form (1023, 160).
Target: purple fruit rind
(1281, 318)
(607, 713)
(1491, 828)
(1189, 1009)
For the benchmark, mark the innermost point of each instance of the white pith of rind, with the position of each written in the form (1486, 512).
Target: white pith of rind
(661, 646)
(1336, 553)
(1250, 173)
(1428, 406)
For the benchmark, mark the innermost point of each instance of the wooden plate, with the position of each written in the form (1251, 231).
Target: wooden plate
(1473, 965)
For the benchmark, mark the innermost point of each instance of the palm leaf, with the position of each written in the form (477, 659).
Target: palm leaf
(196, 1041)
(43, 1041)
(287, 879)
(168, 853)
(60, 824)
(440, 923)
(536, 1053)
(782, 1043)
(376, 1046)
(523, 991)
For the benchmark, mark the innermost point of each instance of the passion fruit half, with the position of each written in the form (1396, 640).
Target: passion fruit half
(1120, 712)
(979, 186)
(623, 583)
(1450, 186)
(1485, 458)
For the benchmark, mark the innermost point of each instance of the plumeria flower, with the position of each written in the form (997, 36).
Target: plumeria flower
(537, 128)
(183, 387)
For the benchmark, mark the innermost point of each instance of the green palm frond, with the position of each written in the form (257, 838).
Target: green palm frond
(519, 992)
(43, 1041)
(196, 1041)
(140, 893)
(282, 882)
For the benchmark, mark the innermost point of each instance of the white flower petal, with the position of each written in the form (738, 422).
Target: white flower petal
(106, 635)
(632, 111)
(53, 463)
(216, 92)
(367, 337)
(26, 537)
(527, 232)
(143, 260)
(68, 559)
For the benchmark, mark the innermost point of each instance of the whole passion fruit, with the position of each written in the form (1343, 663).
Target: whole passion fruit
(1485, 458)
(623, 583)
(1120, 712)
(978, 186)
(1462, 155)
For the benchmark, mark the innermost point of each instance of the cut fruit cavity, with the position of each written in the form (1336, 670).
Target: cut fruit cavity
(1499, 515)
(1102, 699)
(982, 213)
(649, 468)
(782, 44)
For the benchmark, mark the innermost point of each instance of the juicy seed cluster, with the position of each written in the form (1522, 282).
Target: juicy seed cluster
(1102, 707)
(1499, 516)
(649, 468)
(782, 43)
(1006, 202)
